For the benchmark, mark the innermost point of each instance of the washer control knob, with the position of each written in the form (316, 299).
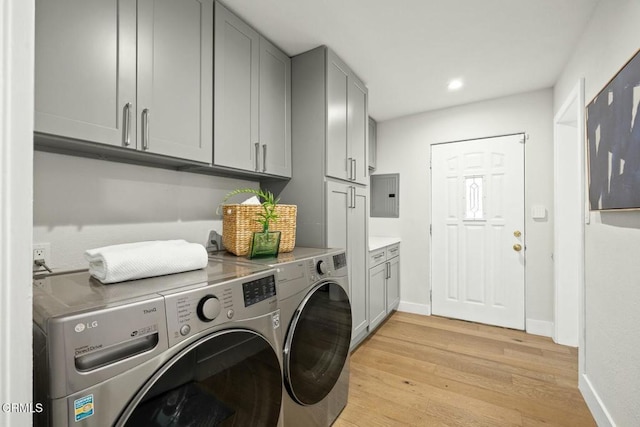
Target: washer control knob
(321, 267)
(208, 308)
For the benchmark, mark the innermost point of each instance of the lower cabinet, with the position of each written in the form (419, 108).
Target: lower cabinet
(384, 283)
(347, 228)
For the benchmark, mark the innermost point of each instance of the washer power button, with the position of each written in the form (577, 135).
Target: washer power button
(185, 329)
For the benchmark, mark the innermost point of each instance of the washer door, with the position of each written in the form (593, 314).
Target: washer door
(317, 343)
(229, 378)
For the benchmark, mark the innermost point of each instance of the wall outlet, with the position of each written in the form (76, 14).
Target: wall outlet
(41, 251)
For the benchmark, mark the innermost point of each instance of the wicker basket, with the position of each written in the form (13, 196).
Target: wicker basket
(239, 223)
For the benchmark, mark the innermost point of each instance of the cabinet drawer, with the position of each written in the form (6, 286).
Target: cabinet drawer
(393, 251)
(377, 257)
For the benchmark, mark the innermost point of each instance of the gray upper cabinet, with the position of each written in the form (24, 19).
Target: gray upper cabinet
(252, 99)
(275, 110)
(235, 105)
(175, 66)
(135, 77)
(346, 122)
(85, 69)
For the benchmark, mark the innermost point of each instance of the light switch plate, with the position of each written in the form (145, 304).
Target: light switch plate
(538, 212)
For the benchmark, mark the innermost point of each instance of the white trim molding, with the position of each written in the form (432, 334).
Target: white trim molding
(539, 327)
(16, 206)
(569, 207)
(600, 414)
(411, 307)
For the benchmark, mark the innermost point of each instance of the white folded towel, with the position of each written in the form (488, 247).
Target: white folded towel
(129, 261)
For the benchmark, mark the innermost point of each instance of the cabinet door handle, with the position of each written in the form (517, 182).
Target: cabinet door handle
(354, 169)
(388, 270)
(257, 146)
(145, 129)
(126, 124)
(353, 197)
(264, 157)
(350, 167)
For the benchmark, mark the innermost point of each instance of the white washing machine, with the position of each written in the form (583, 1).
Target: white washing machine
(313, 294)
(196, 348)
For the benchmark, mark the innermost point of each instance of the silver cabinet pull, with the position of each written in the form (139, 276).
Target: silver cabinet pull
(264, 157)
(145, 129)
(352, 202)
(257, 145)
(126, 124)
(353, 169)
(388, 271)
(350, 160)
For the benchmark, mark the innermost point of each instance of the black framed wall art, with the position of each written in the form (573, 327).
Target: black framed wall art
(613, 141)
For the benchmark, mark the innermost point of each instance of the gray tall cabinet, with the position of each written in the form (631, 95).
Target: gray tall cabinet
(330, 174)
(130, 74)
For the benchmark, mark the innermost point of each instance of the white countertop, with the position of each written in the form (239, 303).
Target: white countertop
(377, 242)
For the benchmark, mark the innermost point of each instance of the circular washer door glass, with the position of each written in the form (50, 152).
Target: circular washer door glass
(230, 378)
(317, 343)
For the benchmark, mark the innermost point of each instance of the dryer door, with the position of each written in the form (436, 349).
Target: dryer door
(317, 343)
(229, 378)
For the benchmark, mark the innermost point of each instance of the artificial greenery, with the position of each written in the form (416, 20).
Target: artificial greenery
(269, 203)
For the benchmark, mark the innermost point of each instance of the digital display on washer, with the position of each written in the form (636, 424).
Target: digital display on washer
(259, 290)
(339, 261)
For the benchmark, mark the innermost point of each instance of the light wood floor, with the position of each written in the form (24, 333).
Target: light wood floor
(431, 371)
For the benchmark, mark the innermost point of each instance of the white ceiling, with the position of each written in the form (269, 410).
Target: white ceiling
(406, 51)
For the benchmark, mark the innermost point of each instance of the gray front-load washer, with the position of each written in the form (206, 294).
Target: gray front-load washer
(197, 348)
(313, 293)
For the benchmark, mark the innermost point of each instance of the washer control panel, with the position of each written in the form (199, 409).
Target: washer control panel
(195, 310)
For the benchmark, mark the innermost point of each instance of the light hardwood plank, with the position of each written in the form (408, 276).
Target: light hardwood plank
(432, 371)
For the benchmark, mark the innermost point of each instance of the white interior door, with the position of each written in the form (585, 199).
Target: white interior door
(478, 250)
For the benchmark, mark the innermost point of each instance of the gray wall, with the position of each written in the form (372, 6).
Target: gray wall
(611, 381)
(82, 203)
(404, 147)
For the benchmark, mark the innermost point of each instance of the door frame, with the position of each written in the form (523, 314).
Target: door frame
(525, 137)
(569, 299)
(16, 204)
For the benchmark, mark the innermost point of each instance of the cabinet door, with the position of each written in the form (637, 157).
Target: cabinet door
(358, 253)
(338, 161)
(85, 69)
(373, 143)
(393, 284)
(347, 228)
(275, 110)
(235, 110)
(175, 65)
(358, 122)
(377, 295)
(339, 200)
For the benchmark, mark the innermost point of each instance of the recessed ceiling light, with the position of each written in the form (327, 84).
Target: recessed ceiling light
(455, 84)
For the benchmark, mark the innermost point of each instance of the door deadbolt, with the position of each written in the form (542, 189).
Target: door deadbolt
(517, 233)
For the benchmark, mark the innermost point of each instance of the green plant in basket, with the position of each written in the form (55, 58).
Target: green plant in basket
(269, 203)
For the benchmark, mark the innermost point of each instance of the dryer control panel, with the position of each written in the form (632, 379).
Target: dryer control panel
(334, 265)
(192, 311)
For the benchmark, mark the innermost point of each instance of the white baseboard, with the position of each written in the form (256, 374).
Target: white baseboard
(594, 403)
(410, 307)
(539, 327)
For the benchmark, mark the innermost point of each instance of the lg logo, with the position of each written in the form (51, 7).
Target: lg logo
(82, 326)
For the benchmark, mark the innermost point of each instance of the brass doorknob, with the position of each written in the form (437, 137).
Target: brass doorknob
(517, 233)
(517, 247)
